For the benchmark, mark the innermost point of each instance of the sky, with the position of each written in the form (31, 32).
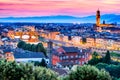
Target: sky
(25, 8)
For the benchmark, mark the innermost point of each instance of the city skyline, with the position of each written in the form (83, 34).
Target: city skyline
(28, 8)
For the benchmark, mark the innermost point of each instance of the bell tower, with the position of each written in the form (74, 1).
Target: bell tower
(98, 18)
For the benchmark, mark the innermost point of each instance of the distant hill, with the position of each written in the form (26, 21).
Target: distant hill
(109, 18)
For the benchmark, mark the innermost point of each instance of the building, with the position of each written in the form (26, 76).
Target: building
(98, 18)
(9, 55)
(98, 24)
(69, 56)
(24, 56)
(90, 42)
(1, 42)
(30, 56)
(113, 30)
(27, 34)
(1, 54)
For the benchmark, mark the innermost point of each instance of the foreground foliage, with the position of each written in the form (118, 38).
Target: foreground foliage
(88, 72)
(113, 67)
(14, 71)
(114, 70)
(96, 59)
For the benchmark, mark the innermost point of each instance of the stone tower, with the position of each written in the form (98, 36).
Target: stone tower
(49, 52)
(98, 18)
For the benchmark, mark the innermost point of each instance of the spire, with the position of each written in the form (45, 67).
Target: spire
(98, 10)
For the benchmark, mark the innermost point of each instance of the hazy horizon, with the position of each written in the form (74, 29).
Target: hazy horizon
(109, 18)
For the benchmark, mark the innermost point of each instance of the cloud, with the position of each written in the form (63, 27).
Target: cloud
(57, 7)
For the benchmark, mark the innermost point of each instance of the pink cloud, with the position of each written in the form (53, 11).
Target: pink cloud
(57, 7)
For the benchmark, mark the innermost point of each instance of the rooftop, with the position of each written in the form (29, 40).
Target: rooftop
(29, 55)
(70, 49)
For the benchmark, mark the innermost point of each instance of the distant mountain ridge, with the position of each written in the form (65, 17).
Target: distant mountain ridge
(109, 18)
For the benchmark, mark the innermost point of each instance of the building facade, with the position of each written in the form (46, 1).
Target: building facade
(69, 56)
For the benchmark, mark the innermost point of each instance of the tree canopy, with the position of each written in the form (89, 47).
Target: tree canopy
(15, 71)
(107, 58)
(96, 59)
(88, 72)
(42, 63)
(113, 67)
(32, 47)
(114, 70)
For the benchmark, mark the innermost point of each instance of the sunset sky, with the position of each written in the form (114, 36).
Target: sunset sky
(24, 8)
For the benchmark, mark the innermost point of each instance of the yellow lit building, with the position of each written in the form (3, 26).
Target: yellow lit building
(98, 24)
(27, 34)
(9, 56)
(90, 42)
(1, 43)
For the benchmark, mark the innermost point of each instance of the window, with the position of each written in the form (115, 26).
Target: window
(83, 56)
(66, 57)
(79, 62)
(76, 61)
(72, 56)
(82, 62)
(63, 57)
(76, 56)
(8, 55)
(79, 56)
(60, 58)
(87, 55)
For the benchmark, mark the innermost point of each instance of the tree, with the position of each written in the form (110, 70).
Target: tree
(114, 70)
(41, 73)
(27, 71)
(95, 59)
(14, 71)
(33, 48)
(40, 48)
(43, 63)
(88, 72)
(21, 44)
(29, 47)
(95, 55)
(107, 58)
(101, 65)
